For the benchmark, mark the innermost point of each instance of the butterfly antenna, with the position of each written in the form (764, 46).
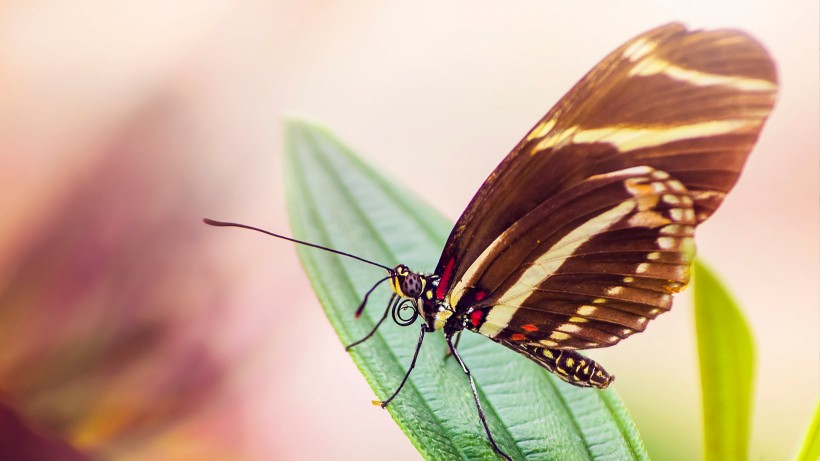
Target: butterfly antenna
(212, 222)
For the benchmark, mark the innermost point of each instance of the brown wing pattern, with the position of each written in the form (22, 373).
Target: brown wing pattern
(591, 265)
(690, 104)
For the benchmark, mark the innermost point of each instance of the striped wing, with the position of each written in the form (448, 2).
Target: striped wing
(592, 265)
(584, 230)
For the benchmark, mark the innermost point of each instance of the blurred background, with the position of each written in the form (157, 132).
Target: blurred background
(130, 331)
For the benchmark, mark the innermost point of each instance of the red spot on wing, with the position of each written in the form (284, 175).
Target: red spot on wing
(476, 317)
(444, 283)
(479, 295)
(529, 327)
(518, 337)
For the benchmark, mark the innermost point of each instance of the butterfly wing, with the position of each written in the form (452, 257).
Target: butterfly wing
(591, 265)
(584, 231)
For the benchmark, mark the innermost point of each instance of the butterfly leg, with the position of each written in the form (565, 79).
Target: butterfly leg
(384, 403)
(449, 352)
(376, 327)
(360, 309)
(477, 400)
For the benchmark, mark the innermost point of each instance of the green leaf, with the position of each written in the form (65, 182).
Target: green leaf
(726, 351)
(810, 451)
(336, 200)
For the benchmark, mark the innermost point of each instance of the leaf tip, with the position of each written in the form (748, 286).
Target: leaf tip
(296, 122)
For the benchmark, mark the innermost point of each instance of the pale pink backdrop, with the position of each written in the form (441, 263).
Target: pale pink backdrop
(199, 89)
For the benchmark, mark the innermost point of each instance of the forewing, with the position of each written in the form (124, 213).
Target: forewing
(688, 103)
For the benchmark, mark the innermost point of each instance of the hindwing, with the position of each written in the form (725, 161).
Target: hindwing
(591, 265)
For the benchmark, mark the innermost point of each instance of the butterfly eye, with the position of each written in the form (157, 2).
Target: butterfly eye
(411, 285)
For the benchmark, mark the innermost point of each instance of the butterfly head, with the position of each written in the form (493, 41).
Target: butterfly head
(421, 289)
(406, 283)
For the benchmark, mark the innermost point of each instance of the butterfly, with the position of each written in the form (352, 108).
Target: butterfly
(585, 231)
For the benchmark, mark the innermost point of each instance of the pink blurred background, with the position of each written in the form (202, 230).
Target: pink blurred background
(133, 332)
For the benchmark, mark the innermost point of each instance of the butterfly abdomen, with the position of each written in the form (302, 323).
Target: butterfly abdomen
(573, 367)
